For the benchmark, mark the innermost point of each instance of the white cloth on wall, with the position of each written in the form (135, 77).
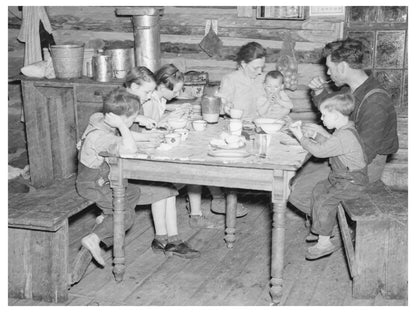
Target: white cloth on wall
(29, 32)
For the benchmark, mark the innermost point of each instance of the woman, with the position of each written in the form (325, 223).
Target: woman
(241, 88)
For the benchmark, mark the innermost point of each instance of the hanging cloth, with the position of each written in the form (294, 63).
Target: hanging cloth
(29, 32)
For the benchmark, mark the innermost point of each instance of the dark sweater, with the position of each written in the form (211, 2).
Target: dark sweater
(377, 120)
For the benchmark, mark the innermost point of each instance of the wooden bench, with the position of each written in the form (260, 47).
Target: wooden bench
(38, 241)
(378, 259)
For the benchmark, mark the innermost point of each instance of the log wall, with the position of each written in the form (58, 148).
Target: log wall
(182, 29)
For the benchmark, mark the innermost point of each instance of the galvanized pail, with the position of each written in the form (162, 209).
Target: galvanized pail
(67, 60)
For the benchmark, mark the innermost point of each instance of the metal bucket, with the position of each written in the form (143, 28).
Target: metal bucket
(67, 60)
(101, 68)
(121, 61)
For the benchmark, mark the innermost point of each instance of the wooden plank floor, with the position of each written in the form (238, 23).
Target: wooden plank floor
(221, 276)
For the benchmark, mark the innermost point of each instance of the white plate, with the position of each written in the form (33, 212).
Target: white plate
(226, 146)
(229, 153)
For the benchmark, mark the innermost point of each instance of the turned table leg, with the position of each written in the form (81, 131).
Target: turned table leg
(119, 233)
(230, 217)
(280, 194)
(118, 185)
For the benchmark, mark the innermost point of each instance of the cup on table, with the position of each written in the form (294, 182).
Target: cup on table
(199, 125)
(235, 126)
(261, 144)
(236, 113)
(183, 133)
(173, 139)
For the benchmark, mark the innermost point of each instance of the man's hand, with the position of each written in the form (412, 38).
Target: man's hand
(317, 85)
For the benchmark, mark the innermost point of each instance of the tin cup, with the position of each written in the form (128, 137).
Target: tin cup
(183, 133)
(235, 127)
(173, 139)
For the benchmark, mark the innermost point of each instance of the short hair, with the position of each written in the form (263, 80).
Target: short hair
(343, 103)
(250, 52)
(351, 51)
(138, 75)
(168, 75)
(121, 102)
(275, 74)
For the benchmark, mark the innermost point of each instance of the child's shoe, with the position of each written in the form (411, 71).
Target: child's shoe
(158, 246)
(318, 251)
(81, 264)
(202, 222)
(218, 206)
(181, 249)
(92, 243)
(314, 237)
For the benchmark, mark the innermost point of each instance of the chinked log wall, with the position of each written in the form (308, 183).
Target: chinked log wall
(182, 28)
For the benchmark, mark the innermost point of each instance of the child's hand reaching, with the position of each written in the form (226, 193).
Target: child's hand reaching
(147, 122)
(313, 129)
(295, 128)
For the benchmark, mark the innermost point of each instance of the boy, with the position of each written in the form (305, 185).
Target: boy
(119, 112)
(348, 176)
(276, 103)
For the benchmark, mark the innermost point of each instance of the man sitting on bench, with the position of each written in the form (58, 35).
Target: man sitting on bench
(374, 116)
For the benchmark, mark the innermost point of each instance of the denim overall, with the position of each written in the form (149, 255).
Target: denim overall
(342, 184)
(93, 184)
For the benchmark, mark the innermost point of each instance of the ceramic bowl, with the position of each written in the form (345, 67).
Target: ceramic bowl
(177, 123)
(261, 121)
(199, 125)
(271, 128)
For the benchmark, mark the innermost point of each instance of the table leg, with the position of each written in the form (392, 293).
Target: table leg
(118, 185)
(230, 217)
(280, 195)
(119, 233)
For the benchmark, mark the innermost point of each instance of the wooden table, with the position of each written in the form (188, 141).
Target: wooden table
(189, 163)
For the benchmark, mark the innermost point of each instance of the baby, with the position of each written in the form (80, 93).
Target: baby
(276, 104)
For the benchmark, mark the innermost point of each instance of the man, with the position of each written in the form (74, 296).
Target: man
(374, 116)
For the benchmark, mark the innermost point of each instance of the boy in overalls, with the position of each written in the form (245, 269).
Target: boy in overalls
(102, 135)
(348, 177)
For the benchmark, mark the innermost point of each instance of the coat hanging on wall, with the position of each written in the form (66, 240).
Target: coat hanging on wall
(29, 32)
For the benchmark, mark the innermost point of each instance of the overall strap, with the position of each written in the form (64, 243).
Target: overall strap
(81, 142)
(370, 93)
(355, 132)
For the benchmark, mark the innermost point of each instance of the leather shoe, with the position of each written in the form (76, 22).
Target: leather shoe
(158, 246)
(81, 263)
(316, 252)
(181, 249)
(218, 206)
